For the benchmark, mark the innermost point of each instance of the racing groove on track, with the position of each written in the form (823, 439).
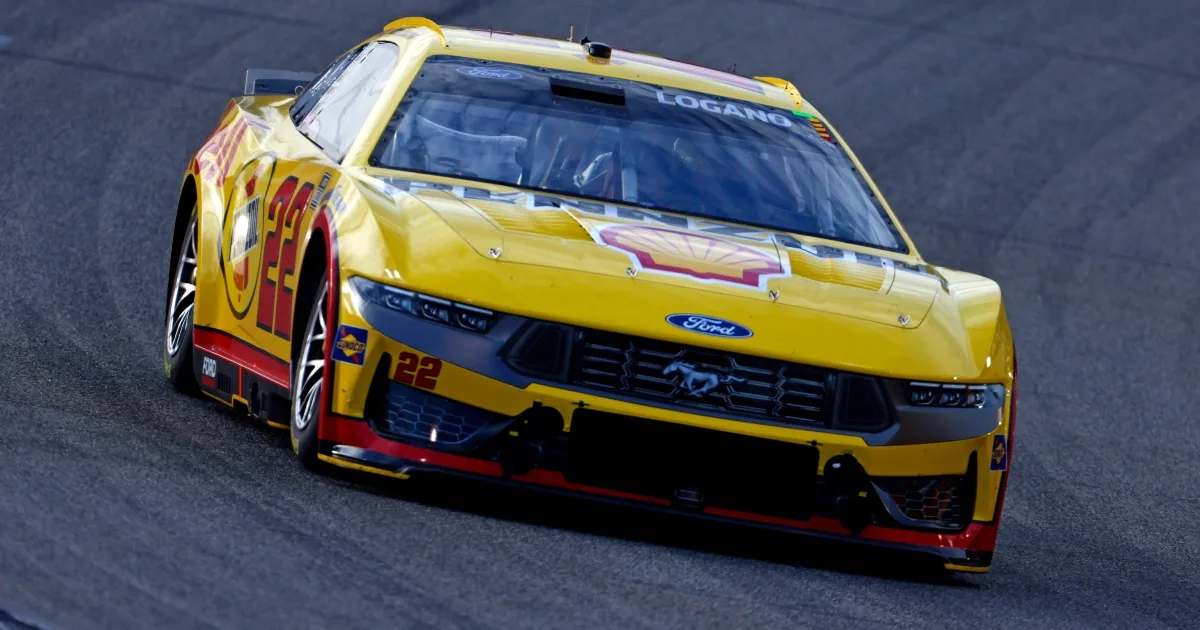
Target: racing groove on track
(1051, 144)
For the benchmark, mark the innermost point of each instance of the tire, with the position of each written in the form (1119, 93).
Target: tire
(308, 379)
(180, 315)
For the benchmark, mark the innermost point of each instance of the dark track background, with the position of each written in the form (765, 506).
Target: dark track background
(1051, 144)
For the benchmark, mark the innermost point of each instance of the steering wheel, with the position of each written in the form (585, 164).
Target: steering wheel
(454, 166)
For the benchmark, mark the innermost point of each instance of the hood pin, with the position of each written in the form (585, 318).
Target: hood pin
(630, 271)
(773, 294)
(904, 319)
(494, 252)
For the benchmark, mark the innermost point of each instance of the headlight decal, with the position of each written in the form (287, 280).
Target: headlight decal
(435, 309)
(922, 394)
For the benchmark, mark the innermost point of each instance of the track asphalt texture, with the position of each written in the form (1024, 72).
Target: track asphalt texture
(1053, 145)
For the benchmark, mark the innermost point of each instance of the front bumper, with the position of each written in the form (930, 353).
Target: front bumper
(351, 443)
(489, 424)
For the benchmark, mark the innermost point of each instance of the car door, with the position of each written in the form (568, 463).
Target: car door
(330, 114)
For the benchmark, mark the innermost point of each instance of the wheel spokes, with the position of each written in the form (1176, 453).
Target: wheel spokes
(310, 370)
(183, 292)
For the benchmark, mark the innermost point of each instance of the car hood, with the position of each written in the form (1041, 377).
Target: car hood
(629, 271)
(515, 227)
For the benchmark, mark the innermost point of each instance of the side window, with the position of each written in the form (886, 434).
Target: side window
(317, 88)
(338, 114)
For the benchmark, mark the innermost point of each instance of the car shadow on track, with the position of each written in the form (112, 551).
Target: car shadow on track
(538, 508)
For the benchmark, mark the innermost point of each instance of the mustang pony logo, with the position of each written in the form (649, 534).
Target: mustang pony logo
(693, 255)
(696, 382)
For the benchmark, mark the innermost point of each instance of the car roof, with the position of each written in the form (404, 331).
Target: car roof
(571, 56)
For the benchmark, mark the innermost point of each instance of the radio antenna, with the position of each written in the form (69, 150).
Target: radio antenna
(588, 22)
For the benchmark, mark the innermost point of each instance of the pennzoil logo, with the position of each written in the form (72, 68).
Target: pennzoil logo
(690, 254)
(350, 344)
(242, 231)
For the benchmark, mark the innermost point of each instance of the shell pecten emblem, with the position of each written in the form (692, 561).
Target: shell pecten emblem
(693, 255)
(242, 229)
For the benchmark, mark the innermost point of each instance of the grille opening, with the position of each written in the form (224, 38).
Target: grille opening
(658, 459)
(417, 416)
(541, 351)
(707, 380)
(863, 407)
(940, 502)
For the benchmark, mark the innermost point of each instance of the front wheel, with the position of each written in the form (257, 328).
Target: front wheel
(181, 307)
(307, 380)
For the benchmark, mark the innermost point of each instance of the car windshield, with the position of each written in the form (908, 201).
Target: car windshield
(632, 143)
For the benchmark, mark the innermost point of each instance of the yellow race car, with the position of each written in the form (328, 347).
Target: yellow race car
(562, 265)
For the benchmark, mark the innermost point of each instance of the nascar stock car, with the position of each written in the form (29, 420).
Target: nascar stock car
(556, 264)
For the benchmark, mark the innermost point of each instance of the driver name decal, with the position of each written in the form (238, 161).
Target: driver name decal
(726, 109)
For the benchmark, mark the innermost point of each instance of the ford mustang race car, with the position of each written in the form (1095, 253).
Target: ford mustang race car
(555, 264)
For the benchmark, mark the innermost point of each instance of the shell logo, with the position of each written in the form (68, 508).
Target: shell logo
(695, 255)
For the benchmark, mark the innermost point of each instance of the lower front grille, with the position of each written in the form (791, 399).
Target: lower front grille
(939, 502)
(702, 379)
(671, 461)
(415, 414)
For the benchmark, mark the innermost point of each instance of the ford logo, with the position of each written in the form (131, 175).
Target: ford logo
(705, 325)
(490, 73)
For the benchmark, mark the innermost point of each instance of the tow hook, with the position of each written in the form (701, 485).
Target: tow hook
(849, 481)
(521, 446)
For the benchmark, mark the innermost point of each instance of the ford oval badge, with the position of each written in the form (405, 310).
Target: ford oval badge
(490, 73)
(713, 326)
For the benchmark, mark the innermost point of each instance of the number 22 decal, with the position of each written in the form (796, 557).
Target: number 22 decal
(284, 216)
(419, 371)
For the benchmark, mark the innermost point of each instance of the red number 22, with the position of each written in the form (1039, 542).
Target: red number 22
(414, 370)
(286, 211)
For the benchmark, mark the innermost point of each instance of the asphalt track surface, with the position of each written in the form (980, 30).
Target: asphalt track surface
(1051, 144)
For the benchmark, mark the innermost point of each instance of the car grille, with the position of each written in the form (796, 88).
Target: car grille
(932, 501)
(418, 415)
(702, 379)
(674, 461)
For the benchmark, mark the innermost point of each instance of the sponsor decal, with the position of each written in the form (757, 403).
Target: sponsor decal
(1000, 452)
(241, 232)
(334, 201)
(244, 239)
(491, 73)
(697, 256)
(817, 126)
(712, 326)
(698, 382)
(208, 372)
(723, 109)
(312, 204)
(350, 344)
(544, 202)
(216, 155)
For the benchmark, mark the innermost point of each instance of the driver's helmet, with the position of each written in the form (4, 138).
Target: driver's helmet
(684, 150)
